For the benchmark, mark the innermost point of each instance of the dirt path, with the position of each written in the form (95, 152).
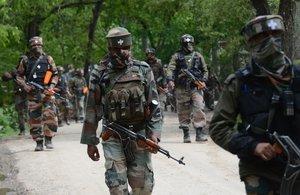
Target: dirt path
(67, 170)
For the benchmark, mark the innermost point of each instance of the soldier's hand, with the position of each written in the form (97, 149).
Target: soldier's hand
(27, 88)
(265, 151)
(49, 91)
(93, 152)
(171, 85)
(152, 149)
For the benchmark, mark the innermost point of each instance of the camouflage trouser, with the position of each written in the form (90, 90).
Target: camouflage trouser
(79, 107)
(62, 110)
(162, 100)
(21, 109)
(261, 186)
(42, 116)
(138, 173)
(189, 107)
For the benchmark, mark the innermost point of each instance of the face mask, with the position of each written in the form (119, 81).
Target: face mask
(121, 58)
(188, 47)
(268, 53)
(37, 50)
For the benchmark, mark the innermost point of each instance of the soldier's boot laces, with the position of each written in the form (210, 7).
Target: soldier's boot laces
(39, 146)
(200, 136)
(48, 142)
(186, 135)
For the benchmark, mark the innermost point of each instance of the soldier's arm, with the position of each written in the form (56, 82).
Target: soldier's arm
(204, 68)
(93, 112)
(171, 68)
(53, 69)
(21, 71)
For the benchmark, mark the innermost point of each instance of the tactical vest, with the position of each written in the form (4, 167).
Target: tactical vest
(39, 71)
(257, 97)
(194, 65)
(124, 94)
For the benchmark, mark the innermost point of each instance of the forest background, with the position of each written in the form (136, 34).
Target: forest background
(74, 31)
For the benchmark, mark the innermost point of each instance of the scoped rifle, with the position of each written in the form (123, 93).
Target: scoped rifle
(284, 144)
(140, 139)
(43, 89)
(196, 81)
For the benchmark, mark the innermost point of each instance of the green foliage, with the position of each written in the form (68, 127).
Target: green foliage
(8, 121)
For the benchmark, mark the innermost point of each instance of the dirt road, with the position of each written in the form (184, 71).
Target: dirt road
(67, 170)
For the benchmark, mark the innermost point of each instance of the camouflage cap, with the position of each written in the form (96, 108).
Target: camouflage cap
(262, 24)
(118, 37)
(36, 40)
(150, 50)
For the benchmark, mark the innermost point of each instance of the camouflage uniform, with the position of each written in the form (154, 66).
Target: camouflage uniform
(188, 97)
(20, 101)
(62, 105)
(77, 86)
(159, 76)
(41, 107)
(253, 104)
(213, 87)
(118, 91)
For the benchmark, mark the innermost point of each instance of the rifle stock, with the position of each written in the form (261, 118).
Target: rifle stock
(284, 144)
(140, 139)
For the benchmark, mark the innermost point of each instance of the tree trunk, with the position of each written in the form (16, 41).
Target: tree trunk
(261, 7)
(91, 36)
(287, 9)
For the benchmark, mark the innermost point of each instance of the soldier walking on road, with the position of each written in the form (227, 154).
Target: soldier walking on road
(119, 90)
(40, 68)
(159, 76)
(20, 100)
(261, 97)
(189, 97)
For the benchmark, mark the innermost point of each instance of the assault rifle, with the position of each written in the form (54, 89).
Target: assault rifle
(43, 89)
(292, 152)
(140, 139)
(196, 81)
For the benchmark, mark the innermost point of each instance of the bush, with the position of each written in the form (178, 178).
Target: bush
(8, 121)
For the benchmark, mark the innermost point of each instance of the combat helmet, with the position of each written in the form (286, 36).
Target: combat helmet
(118, 37)
(186, 39)
(262, 24)
(150, 50)
(36, 41)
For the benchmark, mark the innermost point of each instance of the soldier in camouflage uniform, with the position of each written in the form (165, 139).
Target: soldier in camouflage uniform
(40, 68)
(189, 97)
(20, 100)
(213, 89)
(262, 97)
(62, 105)
(159, 76)
(119, 90)
(78, 89)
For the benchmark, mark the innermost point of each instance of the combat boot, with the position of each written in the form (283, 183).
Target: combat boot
(39, 146)
(186, 135)
(48, 142)
(200, 136)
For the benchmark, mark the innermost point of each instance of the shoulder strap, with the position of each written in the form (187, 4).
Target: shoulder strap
(34, 67)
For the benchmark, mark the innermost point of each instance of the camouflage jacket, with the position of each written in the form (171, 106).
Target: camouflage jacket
(158, 72)
(76, 85)
(96, 106)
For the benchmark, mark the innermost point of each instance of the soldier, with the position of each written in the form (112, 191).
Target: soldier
(39, 68)
(262, 97)
(62, 105)
(121, 81)
(159, 76)
(213, 88)
(20, 100)
(78, 89)
(189, 97)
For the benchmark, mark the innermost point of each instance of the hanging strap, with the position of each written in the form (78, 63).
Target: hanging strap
(34, 67)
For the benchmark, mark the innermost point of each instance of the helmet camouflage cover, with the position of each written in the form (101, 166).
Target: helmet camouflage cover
(118, 37)
(150, 50)
(262, 24)
(36, 41)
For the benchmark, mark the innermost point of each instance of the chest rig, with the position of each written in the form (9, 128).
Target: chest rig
(124, 94)
(263, 108)
(36, 69)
